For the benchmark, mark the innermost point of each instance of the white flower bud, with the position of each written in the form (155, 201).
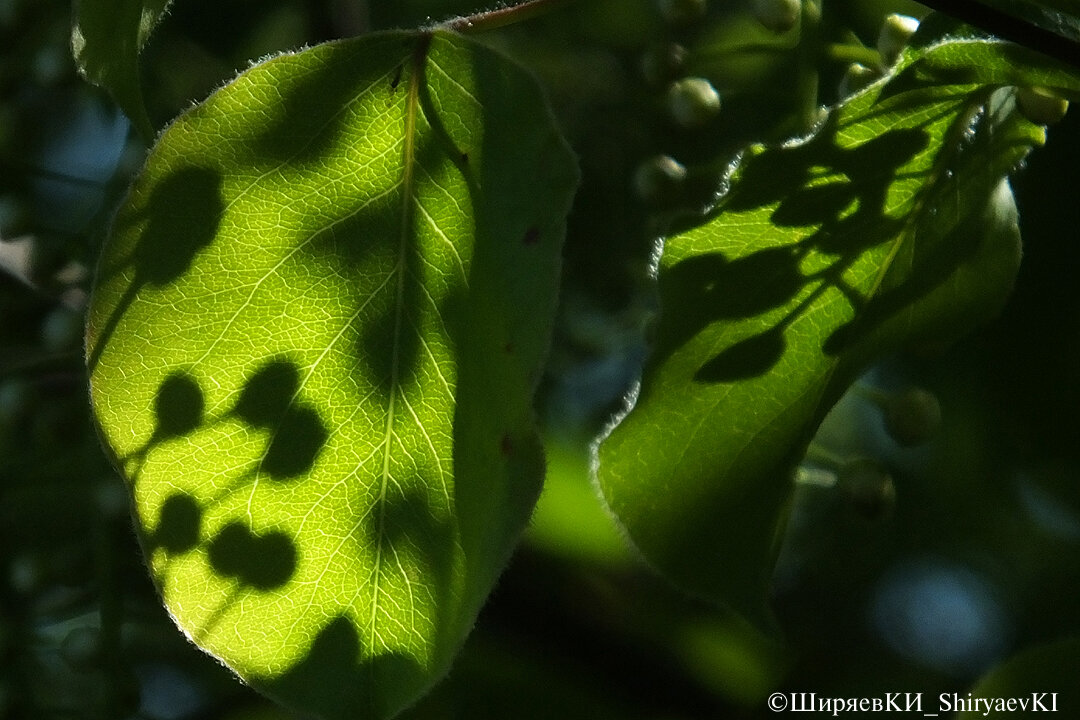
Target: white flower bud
(856, 78)
(658, 180)
(779, 16)
(895, 33)
(692, 102)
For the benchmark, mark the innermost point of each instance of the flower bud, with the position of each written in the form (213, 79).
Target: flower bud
(894, 35)
(1041, 106)
(692, 102)
(779, 16)
(856, 78)
(659, 179)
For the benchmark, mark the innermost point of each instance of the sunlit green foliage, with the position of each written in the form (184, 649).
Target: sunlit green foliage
(892, 224)
(313, 347)
(323, 315)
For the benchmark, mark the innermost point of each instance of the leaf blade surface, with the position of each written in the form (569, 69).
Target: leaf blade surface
(891, 224)
(313, 346)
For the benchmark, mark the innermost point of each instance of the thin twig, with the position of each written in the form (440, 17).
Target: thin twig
(501, 17)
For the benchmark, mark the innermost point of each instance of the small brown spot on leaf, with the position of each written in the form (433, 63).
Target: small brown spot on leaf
(532, 236)
(506, 445)
(508, 348)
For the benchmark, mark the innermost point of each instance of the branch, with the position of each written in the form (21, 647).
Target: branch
(494, 19)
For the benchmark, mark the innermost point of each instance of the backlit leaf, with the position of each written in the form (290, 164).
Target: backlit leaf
(892, 223)
(313, 346)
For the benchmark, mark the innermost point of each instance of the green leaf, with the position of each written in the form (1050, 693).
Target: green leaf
(314, 341)
(106, 39)
(892, 224)
(986, 61)
(1035, 680)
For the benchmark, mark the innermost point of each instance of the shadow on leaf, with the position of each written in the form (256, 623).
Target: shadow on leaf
(178, 407)
(267, 394)
(308, 123)
(745, 359)
(838, 193)
(268, 400)
(180, 218)
(708, 287)
(340, 678)
(179, 525)
(260, 561)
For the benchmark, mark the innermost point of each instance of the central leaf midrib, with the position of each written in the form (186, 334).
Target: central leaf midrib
(412, 103)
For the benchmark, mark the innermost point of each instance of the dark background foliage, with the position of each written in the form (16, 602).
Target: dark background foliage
(975, 559)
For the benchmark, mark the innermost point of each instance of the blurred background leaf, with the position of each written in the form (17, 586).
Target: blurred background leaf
(107, 38)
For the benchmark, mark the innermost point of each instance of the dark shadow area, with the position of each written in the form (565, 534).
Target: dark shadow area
(308, 118)
(404, 525)
(819, 184)
(262, 562)
(333, 680)
(745, 359)
(405, 519)
(179, 525)
(369, 245)
(184, 212)
(295, 445)
(269, 400)
(178, 410)
(709, 287)
(267, 394)
(366, 244)
(390, 345)
(932, 268)
(178, 407)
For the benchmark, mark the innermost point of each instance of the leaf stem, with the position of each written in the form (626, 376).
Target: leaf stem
(851, 53)
(819, 454)
(812, 477)
(810, 47)
(504, 16)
